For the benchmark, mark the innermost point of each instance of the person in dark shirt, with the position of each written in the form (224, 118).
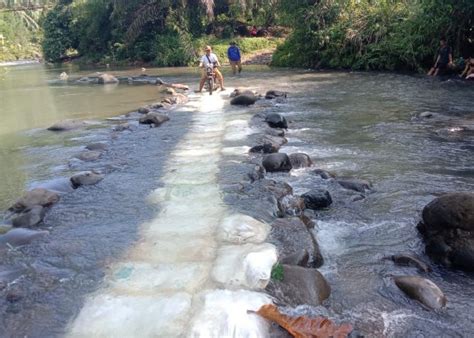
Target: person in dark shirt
(444, 58)
(233, 53)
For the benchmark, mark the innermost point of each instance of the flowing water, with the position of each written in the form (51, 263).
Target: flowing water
(153, 249)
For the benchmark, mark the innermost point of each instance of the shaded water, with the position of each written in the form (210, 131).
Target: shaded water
(360, 125)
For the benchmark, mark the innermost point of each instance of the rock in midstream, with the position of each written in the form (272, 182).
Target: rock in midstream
(89, 155)
(423, 290)
(354, 184)
(300, 160)
(271, 94)
(29, 217)
(154, 118)
(34, 197)
(266, 148)
(275, 120)
(276, 162)
(323, 174)
(410, 260)
(316, 199)
(20, 236)
(299, 286)
(99, 146)
(67, 125)
(290, 236)
(448, 230)
(86, 178)
(245, 99)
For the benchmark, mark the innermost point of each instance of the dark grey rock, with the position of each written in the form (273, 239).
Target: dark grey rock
(275, 120)
(300, 286)
(323, 174)
(86, 178)
(291, 236)
(266, 148)
(244, 100)
(144, 110)
(423, 290)
(154, 118)
(30, 217)
(317, 199)
(448, 230)
(410, 260)
(300, 160)
(276, 162)
(354, 184)
(271, 94)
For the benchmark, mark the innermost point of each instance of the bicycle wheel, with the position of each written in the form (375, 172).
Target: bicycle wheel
(210, 83)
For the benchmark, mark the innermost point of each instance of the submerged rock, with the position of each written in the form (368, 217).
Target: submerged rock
(276, 121)
(410, 260)
(448, 230)
(291, 236)
(97, 146)
(89, 155)
(20, 236)
(423, 290)
(266, 148)
(323, 174)
(316, 199)
(144, 110)
(271, 94)
(67, 125)
(299, 286)
(107, 79)
(35, 197)
(86, 178)
(29, 217)
(276, 162)
(300, 160)
(154, 118)
(354, 184)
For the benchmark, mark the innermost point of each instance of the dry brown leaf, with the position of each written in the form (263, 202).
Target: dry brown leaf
(305, 327)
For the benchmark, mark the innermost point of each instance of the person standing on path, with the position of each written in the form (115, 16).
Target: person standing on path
(233, 53)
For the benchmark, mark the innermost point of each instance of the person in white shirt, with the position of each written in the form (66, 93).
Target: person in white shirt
(207, 58)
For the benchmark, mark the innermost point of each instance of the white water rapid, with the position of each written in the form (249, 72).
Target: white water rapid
(198, 268)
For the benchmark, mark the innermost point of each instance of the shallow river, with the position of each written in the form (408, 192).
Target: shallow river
(353, 124)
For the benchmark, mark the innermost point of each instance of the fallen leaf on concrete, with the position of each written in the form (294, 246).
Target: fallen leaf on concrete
(305, 327)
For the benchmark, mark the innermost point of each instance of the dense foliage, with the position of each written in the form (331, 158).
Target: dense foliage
(374, 34)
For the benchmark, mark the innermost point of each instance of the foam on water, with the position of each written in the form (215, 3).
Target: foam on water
(166, 284)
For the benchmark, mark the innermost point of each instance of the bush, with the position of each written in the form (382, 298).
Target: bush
(58, 35)
(171, 49)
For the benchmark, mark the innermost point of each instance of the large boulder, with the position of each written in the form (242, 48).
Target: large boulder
(354, 184)
(276, 162)
(86, 178)
(107, 79)
(67, 125)
(423, 290)
(317, 199)
(275, 120)
(154, 118)
(29, 217)
(300, 160)
(291, 237)
(245, 99)
(39, 196)
(448, 229)
(299, 286)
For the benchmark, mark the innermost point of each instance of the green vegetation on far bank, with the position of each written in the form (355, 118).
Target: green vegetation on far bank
(374, 35)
